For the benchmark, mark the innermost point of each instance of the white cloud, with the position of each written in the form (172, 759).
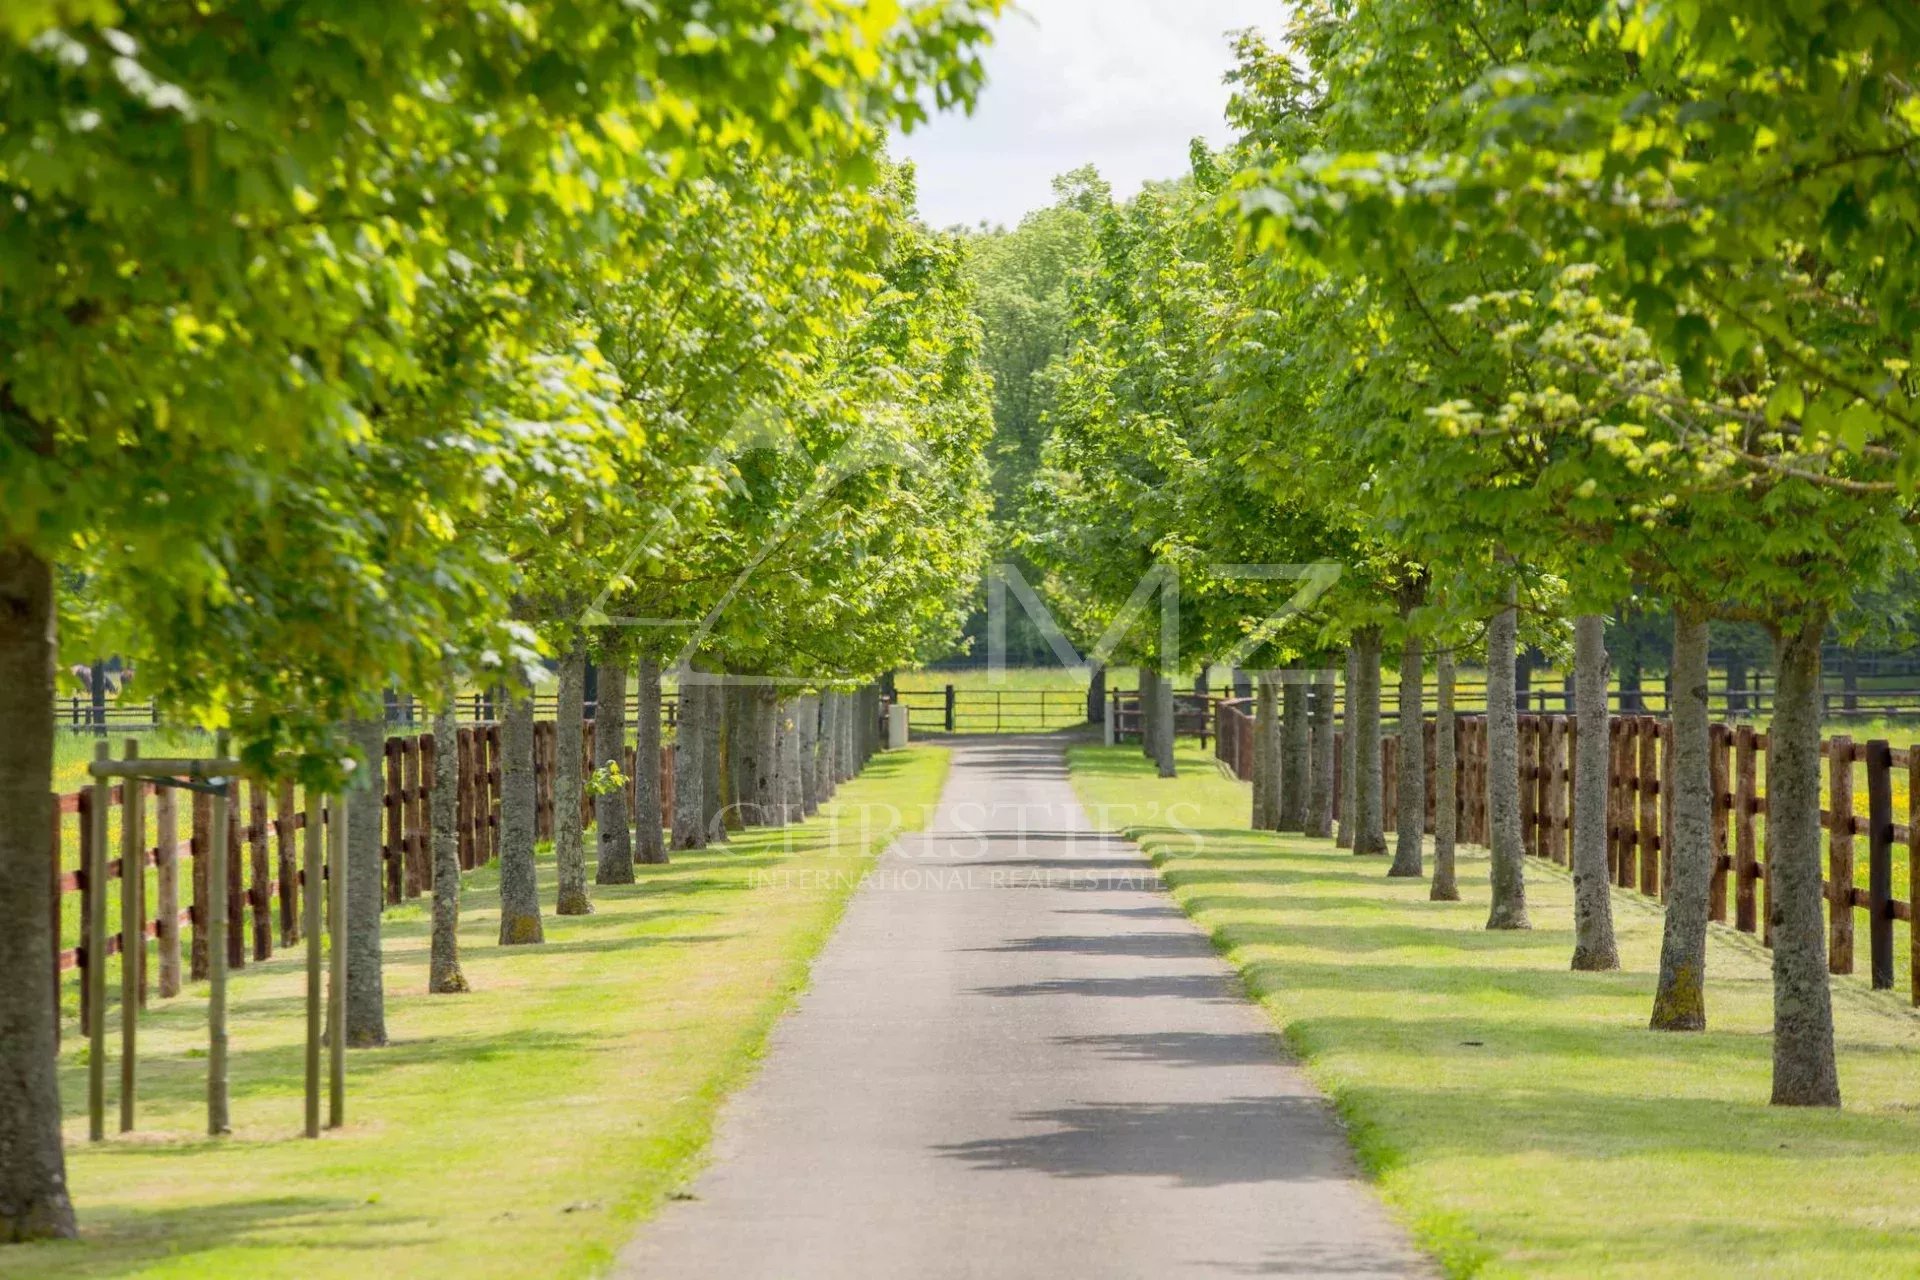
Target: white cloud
(1121, 84)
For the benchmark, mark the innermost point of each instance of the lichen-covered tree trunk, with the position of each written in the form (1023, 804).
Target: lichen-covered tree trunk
(1804, 1074)
(1296, 762)
(1594, 948)
(765, 780)
(1410, 815)
(649, 823)
(1509, 870)
(569, 745)
(519, 884)
(34, 1201)
(793, 760)
(1164, 737)
(807, 715)
(850, 736)
(1446, 788)
(1369, 796)
(689, 767)
(713, 792)
(613, 838)
(444, 976)
(1266, 755)
(1680, 1002)
(738, 765)
(780, 780)
(366, 893)
(823, 749)
(1349, 741)
(1320, 790)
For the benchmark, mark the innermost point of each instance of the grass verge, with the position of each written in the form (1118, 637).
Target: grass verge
(520, 1130)
(1521, 1116)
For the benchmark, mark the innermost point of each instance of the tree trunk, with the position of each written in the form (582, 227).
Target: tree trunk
(807, 714)
(1736, 688)
(1410, 817)
(1509, 871)
(690, 766)
(1368, 792)
(1296, 754)
(648, 822)
(1681, 1001)
(1266, 756)
(1631, 702)
(443, 968)
(793, 787)
(1349, 741)
(614, 840)
(1097, 696)
(1593, 943)
(569, 744)
(823, 749)
(713, 796)
(765, 782)
(1320, 790)
(1446, 790)
(519, 881)
(34, 1202)
(1165, 738)
(1804, 1074)
(1148, 702)
(366, 893)
(850, 761)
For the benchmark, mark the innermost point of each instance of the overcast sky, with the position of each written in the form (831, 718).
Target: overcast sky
(1121, 84)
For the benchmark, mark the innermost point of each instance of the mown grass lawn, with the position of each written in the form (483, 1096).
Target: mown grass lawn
(521, 1130)
(1519, 1115)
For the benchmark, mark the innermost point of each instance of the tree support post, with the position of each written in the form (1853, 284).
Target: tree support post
(337, 954)
(133, 943)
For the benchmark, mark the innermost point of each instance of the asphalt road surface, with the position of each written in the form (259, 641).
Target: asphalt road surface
(1018, 1058)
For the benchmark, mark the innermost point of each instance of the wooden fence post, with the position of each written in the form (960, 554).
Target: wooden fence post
(201, 947)
(262, 870)
(1746, 916)
(1879, 758)
(236, 898)
(427, 799)
(393, 848)
(1913, 870)
(1765, 886)
(168, 889)
(1619, 815)
(1649, 785)
(493, 792)
(1840, 854)
(285, 843)
(1717, 739)
(463, 795)
(1665, 843)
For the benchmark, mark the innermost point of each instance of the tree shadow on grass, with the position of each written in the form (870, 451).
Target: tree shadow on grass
(128, 1241)
(606, 946)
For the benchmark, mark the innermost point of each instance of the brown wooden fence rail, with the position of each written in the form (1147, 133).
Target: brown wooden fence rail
(264, 880)
(1859, 809)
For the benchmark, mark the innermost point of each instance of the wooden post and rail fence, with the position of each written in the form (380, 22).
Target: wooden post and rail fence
(1640, 814)
(265, 881)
